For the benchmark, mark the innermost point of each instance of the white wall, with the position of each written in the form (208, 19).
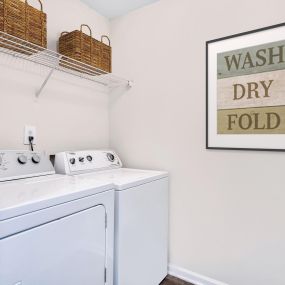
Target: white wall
(72, 113)
(227, 207)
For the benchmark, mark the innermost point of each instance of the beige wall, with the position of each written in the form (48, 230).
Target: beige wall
(227, 207)
(72, 113)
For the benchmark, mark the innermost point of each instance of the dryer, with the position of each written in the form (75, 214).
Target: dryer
(141, 213)
(54, 229)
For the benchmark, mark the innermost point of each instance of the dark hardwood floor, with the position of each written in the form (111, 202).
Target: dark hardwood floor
(169, 280)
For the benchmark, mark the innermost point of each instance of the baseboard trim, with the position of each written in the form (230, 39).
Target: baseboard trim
(192, 277)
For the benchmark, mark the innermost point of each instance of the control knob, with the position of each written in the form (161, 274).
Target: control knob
(89, 158)
(36, 158)
(110, 156)
(22, 159)
(72, 161)
(0, 160)
(81, 159)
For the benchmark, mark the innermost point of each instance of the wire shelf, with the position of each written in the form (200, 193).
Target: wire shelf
(20, 48)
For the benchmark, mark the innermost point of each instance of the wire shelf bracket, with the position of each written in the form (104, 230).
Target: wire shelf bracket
(39, 91)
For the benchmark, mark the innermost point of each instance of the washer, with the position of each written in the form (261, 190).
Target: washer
(54, 229)
(141, 213)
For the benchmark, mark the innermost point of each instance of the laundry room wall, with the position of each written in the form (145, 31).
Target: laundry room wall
(226, 207)
(71, 113)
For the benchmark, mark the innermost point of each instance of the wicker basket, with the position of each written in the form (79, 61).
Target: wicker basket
(21, 20)
(80, 47)
(106, 55)
(84, 48)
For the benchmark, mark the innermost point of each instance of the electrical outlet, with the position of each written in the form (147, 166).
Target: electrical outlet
(29, 131)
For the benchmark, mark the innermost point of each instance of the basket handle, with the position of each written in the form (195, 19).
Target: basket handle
(26, 1)
(64, 33)
(84, 25)
(106, 37)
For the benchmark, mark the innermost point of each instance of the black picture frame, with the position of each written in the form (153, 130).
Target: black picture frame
(208, 43)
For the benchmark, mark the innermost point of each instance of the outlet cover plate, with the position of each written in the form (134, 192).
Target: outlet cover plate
(30, 131)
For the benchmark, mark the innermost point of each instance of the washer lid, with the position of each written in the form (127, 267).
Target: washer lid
(32, 194)
(124, 178)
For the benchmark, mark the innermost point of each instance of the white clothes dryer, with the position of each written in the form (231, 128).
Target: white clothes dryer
(141, 213)
(54, 229)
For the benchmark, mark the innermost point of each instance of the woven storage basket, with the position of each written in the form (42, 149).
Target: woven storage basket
(106, 55)
(84, 48)
(80, 47)
(21, 20)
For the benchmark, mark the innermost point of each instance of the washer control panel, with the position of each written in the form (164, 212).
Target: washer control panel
(85, 161)
(23, 164)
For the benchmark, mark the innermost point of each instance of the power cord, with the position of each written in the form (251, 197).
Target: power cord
(31, 139)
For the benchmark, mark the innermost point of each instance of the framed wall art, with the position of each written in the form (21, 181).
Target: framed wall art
(246, 90)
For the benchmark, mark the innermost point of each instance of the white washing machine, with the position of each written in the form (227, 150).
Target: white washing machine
(141, 213)
(54, 229)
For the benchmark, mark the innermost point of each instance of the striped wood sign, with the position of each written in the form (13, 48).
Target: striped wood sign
(251, 90)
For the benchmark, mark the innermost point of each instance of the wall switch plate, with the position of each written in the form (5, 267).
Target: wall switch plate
(30, 131)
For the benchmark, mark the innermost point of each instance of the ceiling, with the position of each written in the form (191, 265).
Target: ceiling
(115, 8)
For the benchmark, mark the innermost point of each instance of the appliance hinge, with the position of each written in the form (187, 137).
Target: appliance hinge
(105, 275)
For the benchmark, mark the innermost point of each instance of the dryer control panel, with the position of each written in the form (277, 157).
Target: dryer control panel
(72, 162)
(23, 164)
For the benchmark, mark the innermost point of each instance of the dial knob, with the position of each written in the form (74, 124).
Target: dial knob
(22, 159)
(36, 158)
(72, 161)
(0, 160)
(81, 159)
(89, 158)
(110, 156)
